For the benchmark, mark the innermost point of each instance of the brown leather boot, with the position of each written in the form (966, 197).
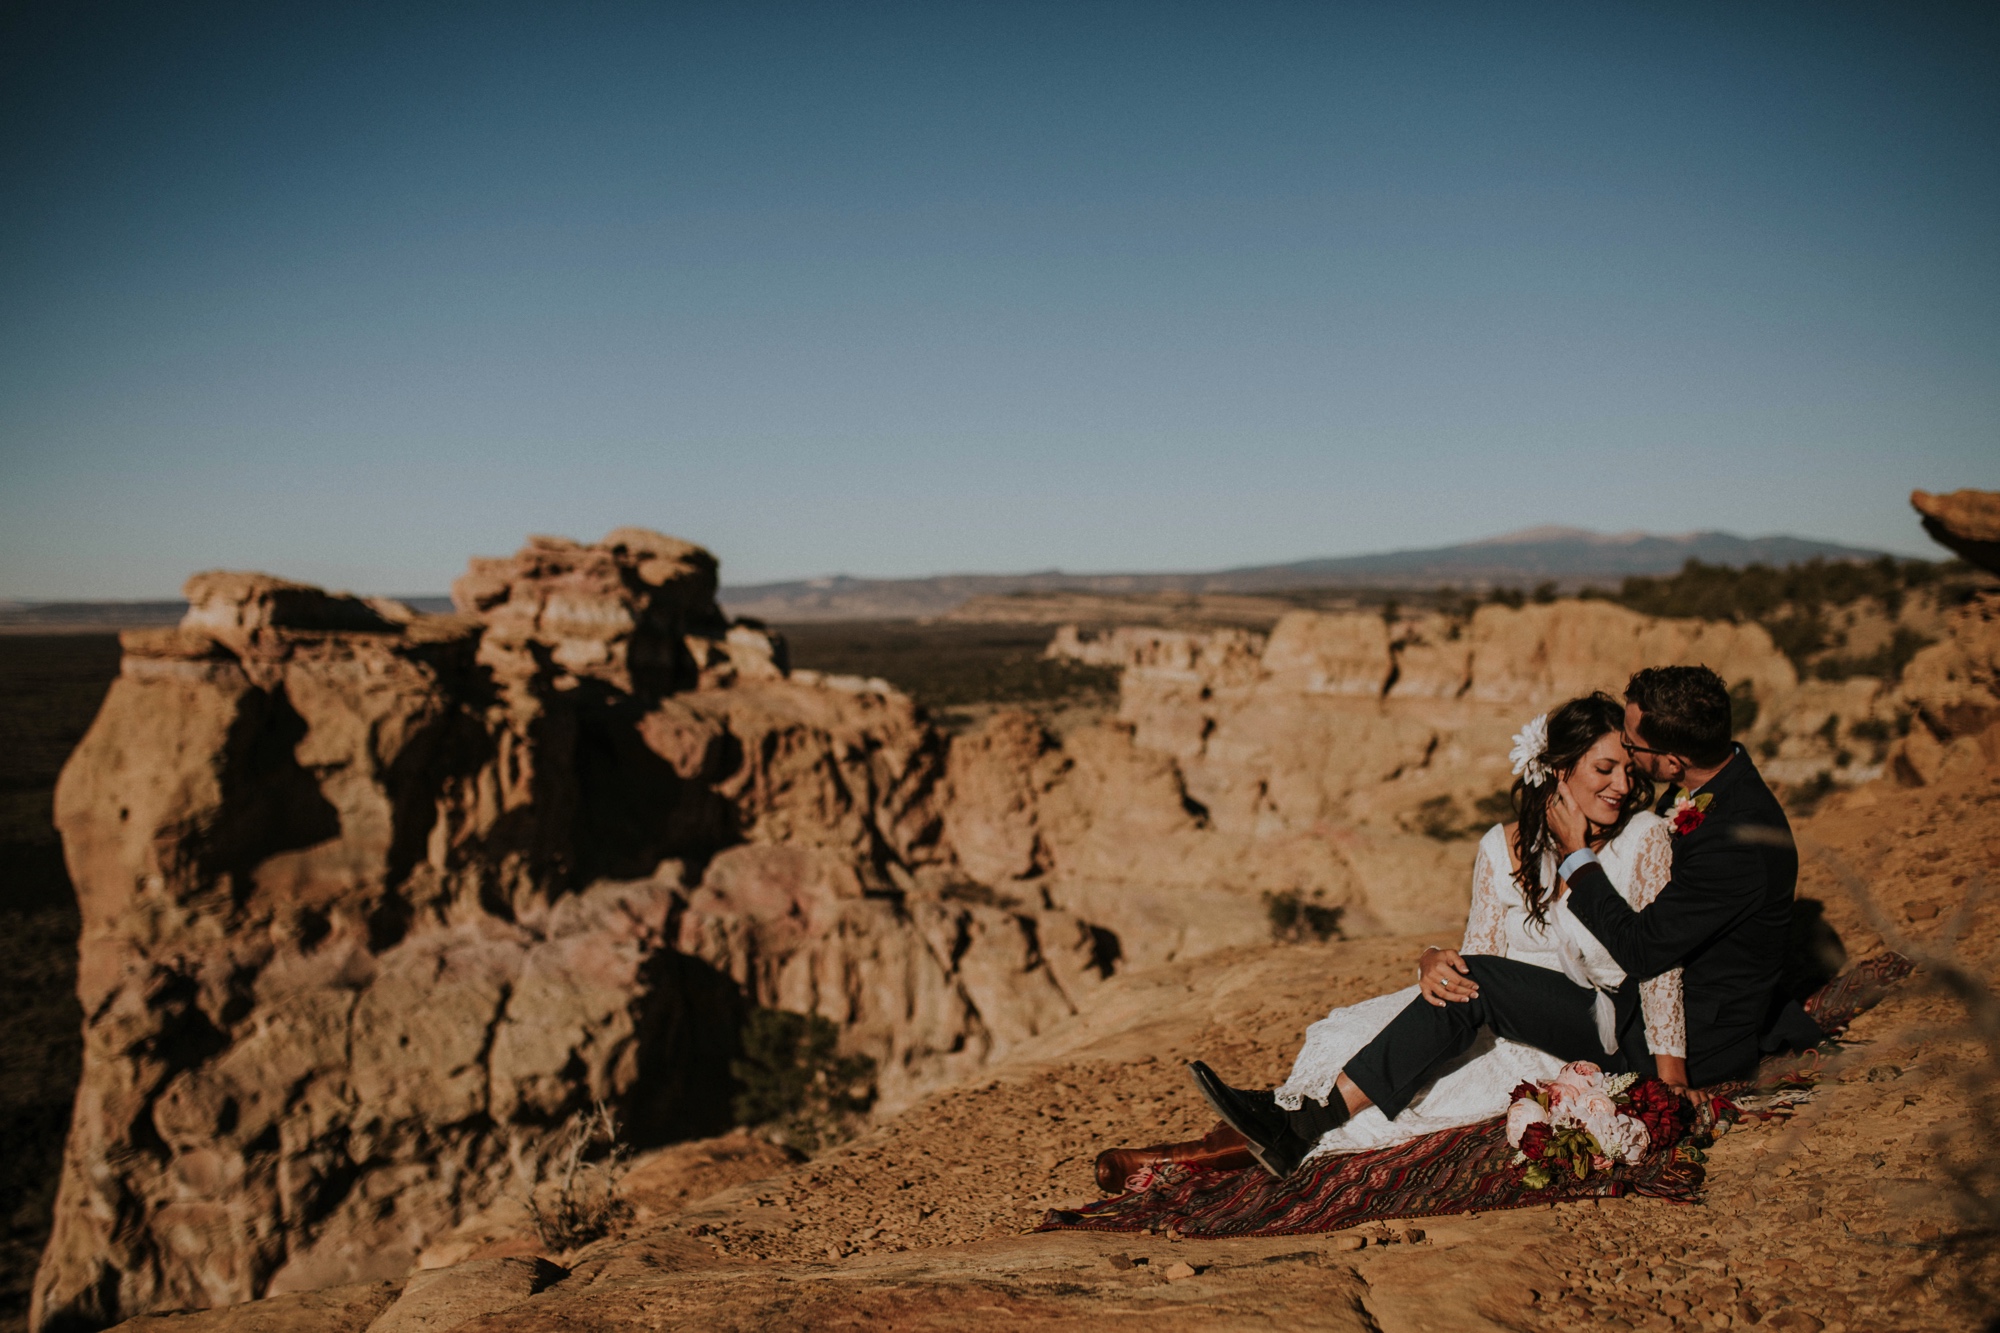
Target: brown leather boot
(1221, 1149)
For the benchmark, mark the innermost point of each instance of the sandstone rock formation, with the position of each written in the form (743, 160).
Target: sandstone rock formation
(1377, 728)
(373, 901)
(1829, 1219)
(1340, 760)
(1966, 521)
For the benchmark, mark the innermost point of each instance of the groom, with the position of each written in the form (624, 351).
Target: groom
(1723, 918)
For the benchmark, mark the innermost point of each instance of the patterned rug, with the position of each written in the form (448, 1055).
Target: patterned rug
(1465, 1170)
(1836, 1004)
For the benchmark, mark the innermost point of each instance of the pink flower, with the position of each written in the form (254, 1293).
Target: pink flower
(1623, 1138)
(1574, 1081)
(1522, 1114)
(1594, 1107)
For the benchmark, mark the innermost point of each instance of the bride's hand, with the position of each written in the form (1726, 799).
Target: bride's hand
(1442, 975)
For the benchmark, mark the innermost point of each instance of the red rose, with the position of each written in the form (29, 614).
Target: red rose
(1523, 1089)
(1535, 1141)
(1660, 1109)
(1687, 819)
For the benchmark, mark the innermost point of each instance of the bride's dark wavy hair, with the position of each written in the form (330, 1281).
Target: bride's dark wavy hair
(1573, 729)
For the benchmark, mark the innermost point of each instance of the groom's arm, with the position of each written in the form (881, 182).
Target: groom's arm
(1715, 884)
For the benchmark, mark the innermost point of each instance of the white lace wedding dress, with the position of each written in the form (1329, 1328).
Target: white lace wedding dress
(1475, 1087)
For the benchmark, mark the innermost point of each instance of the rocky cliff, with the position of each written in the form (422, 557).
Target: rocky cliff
(373, 901)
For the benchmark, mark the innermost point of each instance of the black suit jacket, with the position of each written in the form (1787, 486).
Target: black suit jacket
(1724, 919)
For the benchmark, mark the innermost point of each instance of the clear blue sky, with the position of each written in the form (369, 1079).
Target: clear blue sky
(351, 293)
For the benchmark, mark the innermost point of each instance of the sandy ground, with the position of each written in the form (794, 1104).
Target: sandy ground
(1828, 1220)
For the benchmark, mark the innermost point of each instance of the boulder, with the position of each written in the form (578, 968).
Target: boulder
(440, 1299)
(1966, 521)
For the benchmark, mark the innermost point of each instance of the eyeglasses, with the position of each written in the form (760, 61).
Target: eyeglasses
(1643, 749)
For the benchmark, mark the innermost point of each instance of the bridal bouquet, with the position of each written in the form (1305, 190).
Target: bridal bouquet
(1585, 1120)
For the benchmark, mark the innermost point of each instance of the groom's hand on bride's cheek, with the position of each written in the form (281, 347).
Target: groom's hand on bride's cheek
(1566, 822)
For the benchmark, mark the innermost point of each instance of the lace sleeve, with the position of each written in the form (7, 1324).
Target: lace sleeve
(1652, 867)
(1666, 1019)
(1660, 1000)
(1486, 924)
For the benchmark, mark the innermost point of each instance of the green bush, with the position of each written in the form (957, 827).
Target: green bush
(1886, 662)
(1438, 818)
(1801, 800)
(1293, 917)
(1791, 604)
(1874, 730)
(1742, 707)
(795, 1081)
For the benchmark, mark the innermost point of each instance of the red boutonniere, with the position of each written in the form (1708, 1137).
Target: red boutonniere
(1689, 811)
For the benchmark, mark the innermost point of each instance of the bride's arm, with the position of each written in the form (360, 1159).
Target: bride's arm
(1660, 999)
(1486, 923)
(1442, 975)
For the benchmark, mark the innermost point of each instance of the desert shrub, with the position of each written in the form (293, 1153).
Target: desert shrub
(1438, 818)
(796, 1084)
(1742, 707)
(1545, 594)
(577, 1201)
(1804, 798)
(1790, 603)
(1873, 731)
(1886, 662)
(951, 665)
(1798, 635)
(1513, 597)
(1294, 917)
(1870, 729)
(1493, 808)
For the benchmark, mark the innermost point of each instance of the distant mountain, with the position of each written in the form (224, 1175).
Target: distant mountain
(1570, 557)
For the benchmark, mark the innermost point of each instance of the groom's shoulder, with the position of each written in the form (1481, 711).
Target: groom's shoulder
(1742, 788)
(1745, 798)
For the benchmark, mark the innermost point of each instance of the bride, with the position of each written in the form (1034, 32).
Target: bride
(1518, 912)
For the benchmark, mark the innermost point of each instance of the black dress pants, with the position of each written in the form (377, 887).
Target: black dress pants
(1519, 1001)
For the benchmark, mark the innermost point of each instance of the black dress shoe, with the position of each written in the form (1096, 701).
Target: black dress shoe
(1239, 1106)
(1258, 1118)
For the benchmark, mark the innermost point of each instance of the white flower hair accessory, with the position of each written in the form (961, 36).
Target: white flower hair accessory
(1530, 744)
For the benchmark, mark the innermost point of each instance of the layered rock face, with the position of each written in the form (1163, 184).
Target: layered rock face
(1341, 759)
(372, 901)
(1313, 759)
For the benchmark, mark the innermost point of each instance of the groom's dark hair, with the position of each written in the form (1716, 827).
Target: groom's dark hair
(1686, 711)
